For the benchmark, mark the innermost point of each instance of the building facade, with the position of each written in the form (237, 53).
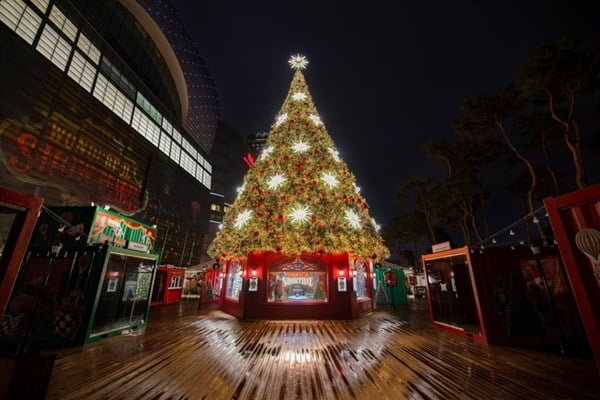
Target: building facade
(109, 102)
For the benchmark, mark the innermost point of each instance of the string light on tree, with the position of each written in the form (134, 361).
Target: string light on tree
(276, 181)
(281, 118)
(300, 147)
(299, 96)
(316, 119)
(242, 218)
(302, 200)
(330, 180)
(335, 154)
(300, 214)
(266, 151)
(353, 219)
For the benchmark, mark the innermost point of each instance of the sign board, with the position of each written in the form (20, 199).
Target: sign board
(440, 247)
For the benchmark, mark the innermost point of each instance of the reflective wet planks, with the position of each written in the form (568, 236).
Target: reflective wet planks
(185, 354)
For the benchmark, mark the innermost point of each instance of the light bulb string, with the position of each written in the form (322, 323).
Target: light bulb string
(508, 227)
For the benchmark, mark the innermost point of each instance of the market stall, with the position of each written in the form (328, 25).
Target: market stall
(88, 274)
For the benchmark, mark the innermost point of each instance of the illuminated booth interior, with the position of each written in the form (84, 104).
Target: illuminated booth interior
(89, 270)
(268, 285)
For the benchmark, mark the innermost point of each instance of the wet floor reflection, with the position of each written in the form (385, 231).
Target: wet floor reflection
(211, 355)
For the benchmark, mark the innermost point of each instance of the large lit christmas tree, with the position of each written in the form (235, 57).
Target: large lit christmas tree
(299, 196)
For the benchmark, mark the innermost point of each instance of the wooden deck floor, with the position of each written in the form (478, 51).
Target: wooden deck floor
(185, 354)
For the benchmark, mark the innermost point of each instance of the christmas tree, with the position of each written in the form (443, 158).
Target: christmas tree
(299, 196)
(208, 292)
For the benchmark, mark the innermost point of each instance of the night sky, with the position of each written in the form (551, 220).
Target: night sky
(386, 76)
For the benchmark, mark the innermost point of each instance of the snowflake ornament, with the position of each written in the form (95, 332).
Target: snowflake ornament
(242, 218)
(357, 188)
(280, 119)
(276, 181)
(316, 119)
(298, 62)
(266, 151)
(334, 153)
(299, 96)
(300, 147)
(300, 214)
(375, 225)
(329, 179)
(353, 219)
(241, 188)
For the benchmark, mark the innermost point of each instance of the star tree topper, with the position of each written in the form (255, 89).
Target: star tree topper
(298, 62)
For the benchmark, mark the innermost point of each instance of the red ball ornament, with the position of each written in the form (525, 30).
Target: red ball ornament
(280, 218)
(374, 256)
(256, 233)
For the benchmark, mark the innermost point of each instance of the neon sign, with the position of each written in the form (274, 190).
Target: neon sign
(35, 156)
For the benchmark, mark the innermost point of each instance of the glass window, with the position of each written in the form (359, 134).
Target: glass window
(175, 151)
(124, 293)
(175, 282)
(42, 5)
(215, 207)
(165, 144)
(146, 127)
(113, 73)
(148, 107)
(359, 279)
(199, 174)
(87, 48)
(234, 280)
(112, 98)
(177, 136)
(54, 47)
(206, 180)
(63, 23)
(451, 292)
(167, 126)
(82, 71)
(297, 280)
(11, 12)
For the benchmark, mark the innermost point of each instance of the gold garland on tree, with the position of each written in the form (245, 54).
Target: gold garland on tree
(299, 196)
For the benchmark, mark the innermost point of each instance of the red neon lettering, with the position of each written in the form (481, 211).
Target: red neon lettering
(26, 143)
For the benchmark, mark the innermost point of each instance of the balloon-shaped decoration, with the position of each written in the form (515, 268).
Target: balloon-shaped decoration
(588, 241)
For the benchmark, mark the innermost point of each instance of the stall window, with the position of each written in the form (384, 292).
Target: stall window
(297, 280)
(360, 279)
(234, 280)
(175, 282)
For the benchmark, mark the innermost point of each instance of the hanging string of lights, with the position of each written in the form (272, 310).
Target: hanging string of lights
(510, 229)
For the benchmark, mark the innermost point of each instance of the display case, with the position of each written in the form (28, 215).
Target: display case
(88, 274)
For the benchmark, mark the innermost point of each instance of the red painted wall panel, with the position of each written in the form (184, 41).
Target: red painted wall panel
(569, 214)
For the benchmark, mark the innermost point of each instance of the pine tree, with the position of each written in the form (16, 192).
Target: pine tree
(299, 196)
(208, 292)
(381, 294)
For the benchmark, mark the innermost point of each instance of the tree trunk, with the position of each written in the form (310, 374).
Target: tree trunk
(428, 219)
(572, 143)
(532, 175)
(549, 168)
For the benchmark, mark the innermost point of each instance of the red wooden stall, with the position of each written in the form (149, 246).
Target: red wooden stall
(502, 295)
(575, 220)
(168, 285)
(269, 285)
(18, 215)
